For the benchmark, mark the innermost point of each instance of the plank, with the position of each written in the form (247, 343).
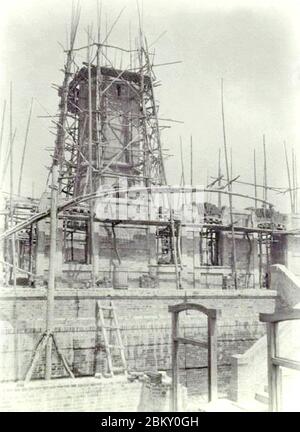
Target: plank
(195, 342)
(292, 314)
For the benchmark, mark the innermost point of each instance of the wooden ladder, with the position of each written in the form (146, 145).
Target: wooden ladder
(108, 325)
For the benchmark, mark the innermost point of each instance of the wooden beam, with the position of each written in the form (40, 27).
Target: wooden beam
(283, 362)
(92, 251)
(293, 314)
(189, 341)
(212, 358)
(234, 274)
(219, 181)
(255, 178)
(274, 374)
(83, 198)
(175, 366)
(289, 178)
(24, 148)
(265, 170)
(213, 313)
(2, 129)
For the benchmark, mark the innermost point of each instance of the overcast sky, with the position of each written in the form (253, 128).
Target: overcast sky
(253, 45)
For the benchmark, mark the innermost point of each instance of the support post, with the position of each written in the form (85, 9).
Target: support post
(90, 156)
(255, 179)
(219, 182)
(274, 373)
(51, 275)
(212, 358)
(229, 190)
(174, 361)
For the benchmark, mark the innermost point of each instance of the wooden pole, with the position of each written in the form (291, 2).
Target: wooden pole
(265, 182)
(289, 177)
(98, 89)
(51, 272)
(255, 178)
(219, 182)
(229, 190)
(2, 129)
(11, 189)
(130, 47)
(296, 186)
(182, 165)
(90, 156)
(294, 180)
(212, 358)
(191, 157)
(13, 239)
(24, 148)
(55, 186)
(174, 361)
(274, 372)
(192, 206)
(182, 182)
(155, 114)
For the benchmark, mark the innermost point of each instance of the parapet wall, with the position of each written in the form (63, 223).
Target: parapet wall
(145, 327)
(117, 394)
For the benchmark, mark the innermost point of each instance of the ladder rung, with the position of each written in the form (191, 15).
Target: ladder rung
(107, 327)
(119, 369)
(106, 323)
(116, 346)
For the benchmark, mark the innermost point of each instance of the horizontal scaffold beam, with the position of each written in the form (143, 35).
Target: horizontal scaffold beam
(96, 195)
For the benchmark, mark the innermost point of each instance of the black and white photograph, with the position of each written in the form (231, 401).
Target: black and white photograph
(149, 216)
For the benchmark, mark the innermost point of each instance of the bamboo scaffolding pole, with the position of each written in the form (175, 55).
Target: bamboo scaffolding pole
(163, 179)
(265, 182)
(296, 185)
(108, 33)
(130, 46)
(274, 189)
(2, 130)
(192, 183)
(191, 161)
(229, 189)
(294, 180)
(155, 114)
(55, 187)
(24, 148)
(5, 263)
(7, 159)
(255, 178)
(13, 238)
(11, 189)
(182, 183)
(219, 181)
(99, 87)
(289, 177)
(90, 159)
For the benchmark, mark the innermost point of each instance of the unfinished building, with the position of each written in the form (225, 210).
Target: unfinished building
(113, 243)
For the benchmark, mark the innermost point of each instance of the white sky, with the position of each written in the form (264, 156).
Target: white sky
(253, 45)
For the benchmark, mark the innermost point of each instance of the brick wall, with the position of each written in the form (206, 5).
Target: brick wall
(116, 394)
(145, 326)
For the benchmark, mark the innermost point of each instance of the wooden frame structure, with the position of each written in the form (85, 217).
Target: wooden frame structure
(211, 346)
(274, 360)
